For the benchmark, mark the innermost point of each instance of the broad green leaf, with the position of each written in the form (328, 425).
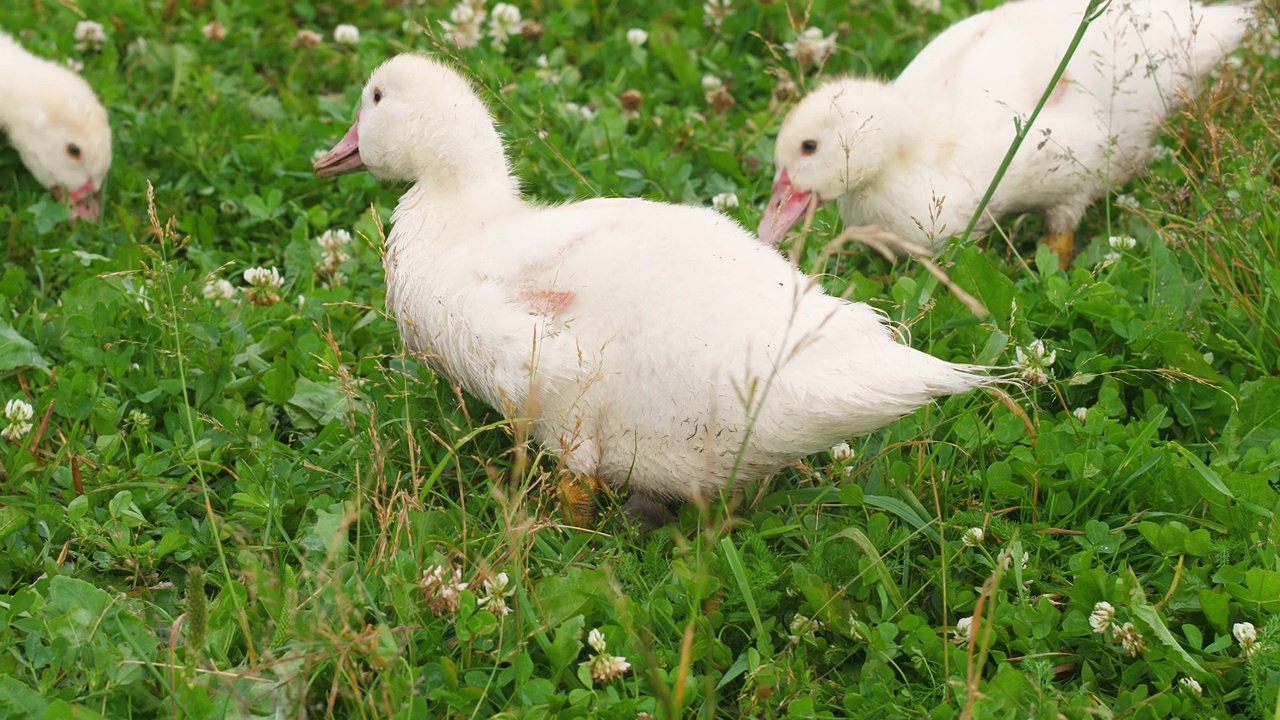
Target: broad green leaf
(17, 352)
(666, 45)
(567, 645)
(19, 701)
(1149, 617)
(313, 404)
(975, 273)
(12, 519)
(1261, 590)
(1256, 423)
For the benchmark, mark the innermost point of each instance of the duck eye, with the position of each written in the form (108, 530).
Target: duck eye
(73, 150)
(377, 95)
(809, 147)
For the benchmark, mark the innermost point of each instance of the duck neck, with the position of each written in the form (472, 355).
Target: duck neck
(471, 176)
(457, 193)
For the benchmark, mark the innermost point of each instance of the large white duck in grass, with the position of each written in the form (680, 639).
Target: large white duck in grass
(915, 156)
(55, 122)
(649, 344)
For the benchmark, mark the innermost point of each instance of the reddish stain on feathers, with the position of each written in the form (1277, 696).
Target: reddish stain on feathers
(547, 302)
(1059, 90)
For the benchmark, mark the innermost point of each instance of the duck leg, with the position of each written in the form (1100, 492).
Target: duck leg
(578, 498)
(1062, 243)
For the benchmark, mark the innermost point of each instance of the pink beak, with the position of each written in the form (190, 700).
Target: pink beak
(784, 210)
(344, 157)
(85, 201)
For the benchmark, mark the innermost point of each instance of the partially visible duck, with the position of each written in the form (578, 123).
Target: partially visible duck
(916, 155)
(55, 122)
(654, 345)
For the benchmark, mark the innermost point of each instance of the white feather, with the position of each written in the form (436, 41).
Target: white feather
(916, 155)
(650, 343)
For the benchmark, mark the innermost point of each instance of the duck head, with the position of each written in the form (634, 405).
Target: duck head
(832, 143)
(419, 120)
(64, 139)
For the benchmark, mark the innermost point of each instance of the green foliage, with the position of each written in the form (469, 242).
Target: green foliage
(228, 508)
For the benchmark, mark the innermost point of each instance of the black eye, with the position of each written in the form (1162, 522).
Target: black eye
(377, 95)
(73, 150)
(809, 147)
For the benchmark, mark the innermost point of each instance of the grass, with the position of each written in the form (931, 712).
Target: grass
(226, 509)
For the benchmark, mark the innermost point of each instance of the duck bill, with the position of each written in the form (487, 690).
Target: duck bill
(344, 157)
(785, 208)
(84, 203)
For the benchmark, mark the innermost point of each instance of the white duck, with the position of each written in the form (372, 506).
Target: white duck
(55, 122)
(916, 155)
(651, 344)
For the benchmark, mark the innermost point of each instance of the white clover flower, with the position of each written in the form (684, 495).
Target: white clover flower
(219, 290)
(1247, 635)
(1034, 362)
(1127, 201)
(605, 667)
(1160, 152)
(973, 537)
(1191, 685)
(842, 452)
(963, 631)
(1081, 413)
(214, 31)
(18, 413)
(811, 47)
(332, 256)
(19, 410)
(596, 640)
(264, 284)
(442, 589)
(725, 201)
(503, 23)
(136, 46)
(802, 627)
(1102, 616)
(711, 83)
(464, 23)
(582, 111)
(89, 35)
(715, 12)
(468, 12)
(1131, 639)
(333, 239)
(495, 590)
(929, 6)
(346, 34)
(1005, 558)
(74, 65)
(263, 277)
(637, 37)
(1122, 242)
(308, 39)
(544, 71)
